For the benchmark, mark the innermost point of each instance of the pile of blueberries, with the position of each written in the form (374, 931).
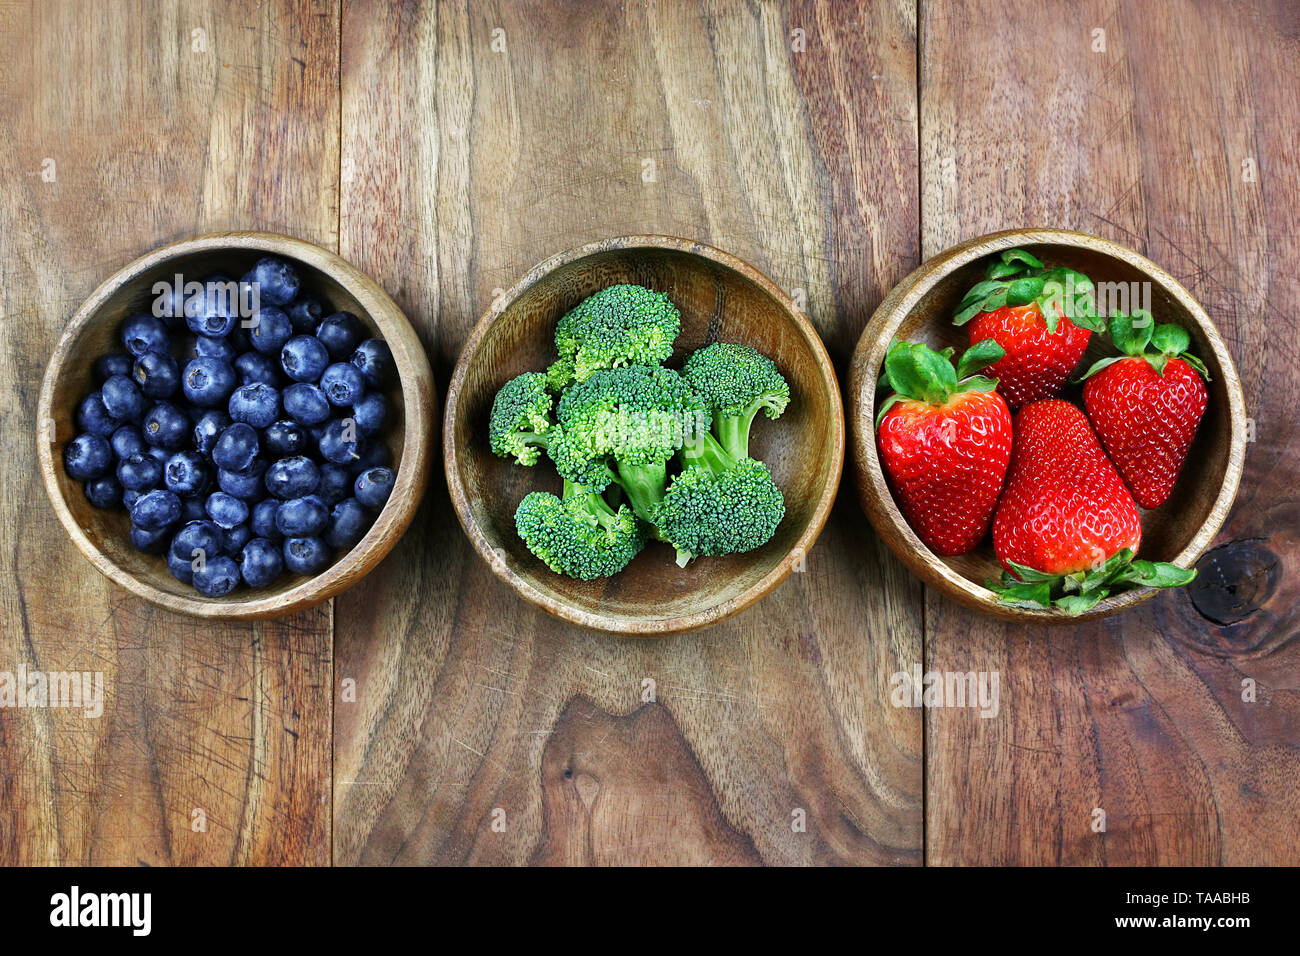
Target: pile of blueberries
(241, 445)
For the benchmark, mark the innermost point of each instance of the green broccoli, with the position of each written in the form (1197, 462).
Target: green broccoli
(619, 325)
(631, 420)
(719, 504)
(579, 534)
(736, 381)
(521, 420)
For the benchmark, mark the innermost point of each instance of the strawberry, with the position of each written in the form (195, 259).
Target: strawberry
(1147, 404)
(1041, 317)
(945, 440)
(1066, 523)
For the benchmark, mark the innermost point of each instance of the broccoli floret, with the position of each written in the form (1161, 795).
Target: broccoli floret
(736, 382)
(719, 504)
(633, 419)
(522, 418)
(580, 534)
(619, 325)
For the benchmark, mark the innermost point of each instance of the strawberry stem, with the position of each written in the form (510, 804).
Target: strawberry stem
(1083, 590)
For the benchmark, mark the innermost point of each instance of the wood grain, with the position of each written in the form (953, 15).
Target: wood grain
(151, 140)
(464, 167)
(1142, 715)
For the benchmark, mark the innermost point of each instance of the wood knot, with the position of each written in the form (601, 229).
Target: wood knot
(1234, 581)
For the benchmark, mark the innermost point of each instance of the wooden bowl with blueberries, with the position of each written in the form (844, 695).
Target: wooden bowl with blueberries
(236, 426)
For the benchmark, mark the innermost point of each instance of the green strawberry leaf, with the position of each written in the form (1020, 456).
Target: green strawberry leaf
(1170, 339)
(886, 405)
(1030, 575)
(1010, 256)
(1131, 333)
(1076, 604)
(1003, 270)
(1098, 366)
(1156, 574)
(1023, 595)
(1197, 365)
(919, 372)
(968, 312)
(1024, 290)
(980, 355)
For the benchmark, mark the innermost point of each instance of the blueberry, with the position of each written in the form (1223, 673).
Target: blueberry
(208, 429)
(186, 473)
(374, 486)
(140, 472)
(93, 417)
(335, 483)
(284, 439)
(292, 477)
(129, 498)
(257, 405)
(236, 447)
(182, 569)
(104, 492)
(193, 509)
(127, 441)
(159, 455)
(170, 306)
(261, 562)
(302, 517)
(373, 455)
(306, 404)
(305, 314)
(348, 522)
(263, 519)
(143, 333)
(114, 363)
(216, 310)
(254, 367)
(216, 577)
(157, 374)
(149, 542)
(369, 413)
(374, 361)
(165, 426)
(234, 539)
(156, 509)
(196, 539)
(208, 382)
(87, 457)
(305, 555)
(304, 358)
(245, 485)
(340, 332)
(203, 347)
(122, 398)
(342, 384)
(341, 442)
(271, 328)
(226, 511)
(276, 282)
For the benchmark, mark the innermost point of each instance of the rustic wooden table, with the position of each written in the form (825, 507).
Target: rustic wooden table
(445, 149)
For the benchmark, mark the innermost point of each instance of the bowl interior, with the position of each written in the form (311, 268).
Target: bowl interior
(718, 303)
(1167, 530)
(108, 530)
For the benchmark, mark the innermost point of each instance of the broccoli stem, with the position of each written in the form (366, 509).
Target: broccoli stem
(732, 432)
(707, 452)
(644, 486)
(592, 501)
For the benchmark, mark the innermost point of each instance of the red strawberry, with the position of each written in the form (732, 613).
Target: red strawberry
(1146, 405)
(944, 441)
(1065, 509)
(1039, 362)
(1028, 310)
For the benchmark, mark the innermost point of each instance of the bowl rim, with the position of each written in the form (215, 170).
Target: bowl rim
(877, 500)
(641, 627)
(418, 396)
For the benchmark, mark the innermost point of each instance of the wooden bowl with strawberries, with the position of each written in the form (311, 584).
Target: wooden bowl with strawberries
(1034, 517)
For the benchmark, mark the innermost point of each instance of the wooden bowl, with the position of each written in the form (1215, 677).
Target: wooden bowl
(721, 299)
(920, 308)
(102, 535)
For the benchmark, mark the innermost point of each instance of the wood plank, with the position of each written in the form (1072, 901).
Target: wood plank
(462, 167)
(152, 138)
(1141, 715)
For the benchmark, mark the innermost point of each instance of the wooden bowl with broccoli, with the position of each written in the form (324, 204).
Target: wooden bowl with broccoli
(643, 436)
